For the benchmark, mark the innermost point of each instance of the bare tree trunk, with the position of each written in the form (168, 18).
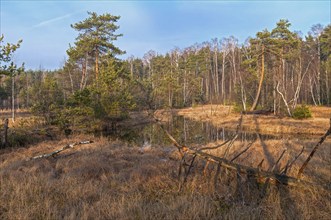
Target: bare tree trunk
(131, 67)
(327, 88)
(71, 81)
(81, 86)
(27, 93)
(234, 65)
(96, 63)
(260, 83)
(312, 90)
(223, 78)
(201, 86)
(318, 84)
(230, 86)
(169, 96)
(300, 80)
(207, 88)
(13, 97)
(184, 88)
(284, 74)
(243, 93)
(217, 91)
(86, 76)
(5, 133)
(284, 100)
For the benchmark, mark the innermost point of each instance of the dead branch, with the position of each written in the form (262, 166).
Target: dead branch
(280, 157)
(54, 153)
(187, 172)
(229, 146)
(173, 140)
(327, 133)
(246, 149)
(257, 173)
(290, 164)
(266, 183)
(230, 140)
(259, 166)
(217, 146)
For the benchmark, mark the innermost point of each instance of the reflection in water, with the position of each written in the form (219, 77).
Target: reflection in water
(185, 131)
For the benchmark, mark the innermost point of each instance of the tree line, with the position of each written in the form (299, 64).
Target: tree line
(276, 70)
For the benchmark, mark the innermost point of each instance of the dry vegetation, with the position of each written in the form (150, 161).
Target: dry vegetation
(7, 113)
(224, 116)
(110, 179)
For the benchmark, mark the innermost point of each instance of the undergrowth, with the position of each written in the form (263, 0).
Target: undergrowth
(113, 180)
(302, 112)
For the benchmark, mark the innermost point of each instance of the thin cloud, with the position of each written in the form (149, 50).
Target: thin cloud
(47, 22)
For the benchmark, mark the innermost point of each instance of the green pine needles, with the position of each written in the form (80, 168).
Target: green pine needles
(302, 112)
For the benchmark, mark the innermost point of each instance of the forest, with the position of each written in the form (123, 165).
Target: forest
(276, 70)
(269, 96)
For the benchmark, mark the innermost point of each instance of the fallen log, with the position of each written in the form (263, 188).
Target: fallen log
(54, 153)
(261, 176)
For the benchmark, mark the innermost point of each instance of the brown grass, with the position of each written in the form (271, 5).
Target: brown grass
(7, 113)
(112, 180)
(223, 116)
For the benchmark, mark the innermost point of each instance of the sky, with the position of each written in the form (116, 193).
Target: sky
(161, 26)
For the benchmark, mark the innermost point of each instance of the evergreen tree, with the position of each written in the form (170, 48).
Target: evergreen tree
(96, 37)
(260, 43)
(7, 66)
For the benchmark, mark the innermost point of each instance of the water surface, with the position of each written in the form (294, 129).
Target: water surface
(185, 131)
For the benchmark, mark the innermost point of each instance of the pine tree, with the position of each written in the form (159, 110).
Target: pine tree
(261, 41)
(96, 37)
(8, 67)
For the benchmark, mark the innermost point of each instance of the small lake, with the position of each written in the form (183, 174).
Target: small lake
(185, 131)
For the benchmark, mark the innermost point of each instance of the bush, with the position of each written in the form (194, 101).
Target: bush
(302, 112)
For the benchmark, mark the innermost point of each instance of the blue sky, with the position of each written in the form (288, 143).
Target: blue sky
(45, 28)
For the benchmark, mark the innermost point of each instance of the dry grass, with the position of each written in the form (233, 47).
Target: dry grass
(7, 113)
(223, 116)
(112, 180)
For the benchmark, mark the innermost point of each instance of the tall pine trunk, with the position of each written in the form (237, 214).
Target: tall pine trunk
(260, 83)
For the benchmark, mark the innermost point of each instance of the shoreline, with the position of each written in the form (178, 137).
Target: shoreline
(224, 116)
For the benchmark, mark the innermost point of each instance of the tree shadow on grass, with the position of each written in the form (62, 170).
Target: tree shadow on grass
(266, 152)
(287, 203)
